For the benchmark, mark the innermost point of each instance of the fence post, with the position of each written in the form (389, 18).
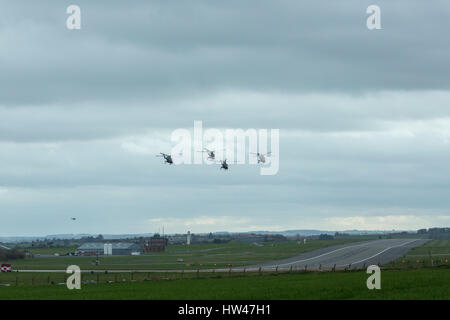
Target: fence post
(259, 271)
(290, 270)
(306, 267)
(334, 267)
(276, 269)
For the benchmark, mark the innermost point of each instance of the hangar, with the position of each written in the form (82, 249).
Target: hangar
(115, 248)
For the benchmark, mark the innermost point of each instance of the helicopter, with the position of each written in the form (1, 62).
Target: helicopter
(261, 156)
(224, 165)
(211, 153)
(167, 158)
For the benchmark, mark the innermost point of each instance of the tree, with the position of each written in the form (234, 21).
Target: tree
(6, 255)
(325, 236)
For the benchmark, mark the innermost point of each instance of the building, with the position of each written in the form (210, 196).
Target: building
(188, 238)
(250, 237)
(156, 244)
(107, 249)
(115, 249)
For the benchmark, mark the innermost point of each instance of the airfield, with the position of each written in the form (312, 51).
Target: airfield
(411, 269)
(345, 256)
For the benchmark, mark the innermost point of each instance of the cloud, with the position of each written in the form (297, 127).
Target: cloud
(363, 115)
(203, 223)
(388, 222)
(325, 112)
(161, 50)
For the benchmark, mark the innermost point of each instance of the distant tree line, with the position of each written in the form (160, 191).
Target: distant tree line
(7, 255)
(274, 237)
(325, 236)
(436, 233)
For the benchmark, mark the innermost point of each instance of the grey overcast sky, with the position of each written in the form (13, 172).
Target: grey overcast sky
(364, 115)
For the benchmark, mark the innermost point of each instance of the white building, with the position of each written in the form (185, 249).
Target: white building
(188, 238)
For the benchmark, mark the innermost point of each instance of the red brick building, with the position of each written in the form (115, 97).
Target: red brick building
(156, 244)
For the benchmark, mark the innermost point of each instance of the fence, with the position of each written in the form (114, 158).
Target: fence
(94, 277)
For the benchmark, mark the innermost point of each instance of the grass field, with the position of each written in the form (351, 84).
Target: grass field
(433, 247)
(196, 256)
(411, 281)
(432, 253)
(429, 283)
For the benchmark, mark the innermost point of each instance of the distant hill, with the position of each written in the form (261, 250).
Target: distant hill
(286, 233)
(105, 236)
(312, 232)
(70, 236)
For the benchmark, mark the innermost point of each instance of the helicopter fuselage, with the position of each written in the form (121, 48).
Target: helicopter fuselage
(168, 159)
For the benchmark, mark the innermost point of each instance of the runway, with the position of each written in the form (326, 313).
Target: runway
(355, 255)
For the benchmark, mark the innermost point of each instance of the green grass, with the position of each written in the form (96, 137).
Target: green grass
(196, 256)
(431, 253)
(441, 246)
(430, 283)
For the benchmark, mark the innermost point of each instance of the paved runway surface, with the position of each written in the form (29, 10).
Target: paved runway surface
(355, 254)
